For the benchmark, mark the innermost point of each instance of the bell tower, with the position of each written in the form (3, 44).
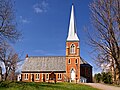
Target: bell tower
(72, 51)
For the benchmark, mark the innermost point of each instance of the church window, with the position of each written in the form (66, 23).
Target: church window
(72, 49)
(26, 76)
(59, 76)
(37, 76)
(47, 76)
(76, 61)
(69, 61)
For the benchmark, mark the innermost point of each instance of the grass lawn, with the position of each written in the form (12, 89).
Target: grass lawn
(43, 86)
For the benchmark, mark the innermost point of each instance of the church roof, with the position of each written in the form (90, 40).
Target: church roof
(72, 34)
(46, 64)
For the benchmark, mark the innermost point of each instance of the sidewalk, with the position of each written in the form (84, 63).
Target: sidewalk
(102, 86)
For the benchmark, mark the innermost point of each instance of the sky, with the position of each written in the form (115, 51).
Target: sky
(44, 25)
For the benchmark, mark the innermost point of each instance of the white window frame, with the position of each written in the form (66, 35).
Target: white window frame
(75, 61)
(37, 76)
(26, 76)
(47, 76)
(72, 49)
(69, 62)
(59, 76)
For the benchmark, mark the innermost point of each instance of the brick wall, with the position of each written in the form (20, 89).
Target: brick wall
(71, 60)
(33, 77)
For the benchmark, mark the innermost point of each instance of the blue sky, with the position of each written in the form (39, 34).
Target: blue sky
(44, 26)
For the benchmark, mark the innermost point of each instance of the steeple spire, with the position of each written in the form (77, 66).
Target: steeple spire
(72, 35)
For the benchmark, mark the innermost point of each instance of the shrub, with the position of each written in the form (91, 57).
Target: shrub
(97, 77)
(106, 77)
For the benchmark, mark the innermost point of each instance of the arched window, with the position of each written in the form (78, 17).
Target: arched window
(69, 61)
(72, 49)
(76, 61)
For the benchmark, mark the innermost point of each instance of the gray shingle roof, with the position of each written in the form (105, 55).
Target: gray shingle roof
(46, 63)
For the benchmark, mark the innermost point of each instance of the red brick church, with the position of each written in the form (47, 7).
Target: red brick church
(59, 68)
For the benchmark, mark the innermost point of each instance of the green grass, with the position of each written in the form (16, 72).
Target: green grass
(43, 86)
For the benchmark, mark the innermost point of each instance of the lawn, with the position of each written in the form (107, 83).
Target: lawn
(43, 86)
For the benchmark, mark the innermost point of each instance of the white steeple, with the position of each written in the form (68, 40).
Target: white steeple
(72, 35)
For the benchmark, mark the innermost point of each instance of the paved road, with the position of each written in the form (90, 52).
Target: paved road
(102, 86)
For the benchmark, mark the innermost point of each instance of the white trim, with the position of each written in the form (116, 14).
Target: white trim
(75, 61)
(47, 76)
(73, 69)
(37, 76)
(72, 35)
(72, 48)
(68, 61)
(59, 76)
(26, 76)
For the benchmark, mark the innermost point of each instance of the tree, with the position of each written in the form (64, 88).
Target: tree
(8, 29)
(9, 58)
(97, 77)
(8, 32)
(12, 73)
(106, 77)
(105, 16)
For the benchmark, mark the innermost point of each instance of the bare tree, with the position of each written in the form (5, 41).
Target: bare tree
(9, 58)
(8, 32)
(105, 16)
(15, 60)
(8, 29)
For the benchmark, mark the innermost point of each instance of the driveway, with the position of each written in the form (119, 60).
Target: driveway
(103, 86)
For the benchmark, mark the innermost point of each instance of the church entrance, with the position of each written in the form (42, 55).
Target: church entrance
(72, 74)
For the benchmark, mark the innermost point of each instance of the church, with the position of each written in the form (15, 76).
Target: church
(69, 68)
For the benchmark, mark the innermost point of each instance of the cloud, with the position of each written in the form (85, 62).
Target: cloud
(23, 20)
(40, 7)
